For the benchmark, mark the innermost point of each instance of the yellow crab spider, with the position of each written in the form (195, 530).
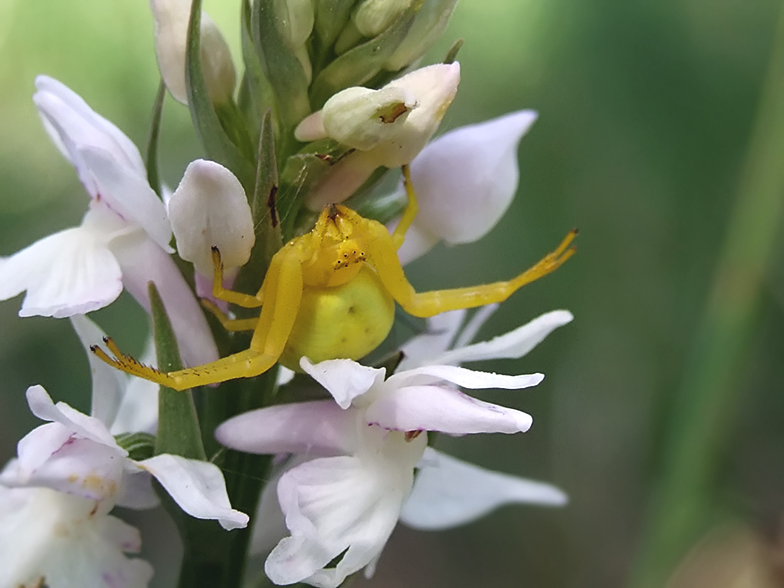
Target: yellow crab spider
(329, 294)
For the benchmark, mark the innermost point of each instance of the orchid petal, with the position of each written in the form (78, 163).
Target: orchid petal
(142, 262)
(87, 427)
(344, 379)
(197, 486)
(137, 491)
(449, 492)
(477, 322)
(441, 332)
(335, 505)
(67, 273)
(466, 179)
(57, 537)
(79, 466)
(463, 377)
(435, 408)
(512, 345)
(209, 209)
(418, 242)
(108, 383)
(127, 193)
(318, 428)
(138, 410)
(73, 125)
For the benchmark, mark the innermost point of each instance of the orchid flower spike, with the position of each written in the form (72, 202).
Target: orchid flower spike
(465, 181)
(387, 127)
(171, 33)
(361, 451)
(123, 240)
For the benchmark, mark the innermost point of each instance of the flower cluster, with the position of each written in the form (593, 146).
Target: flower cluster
(330, 97)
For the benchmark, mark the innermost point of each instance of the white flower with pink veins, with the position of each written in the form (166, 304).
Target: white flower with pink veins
(123, 241)
(360, 452)
(56, 496)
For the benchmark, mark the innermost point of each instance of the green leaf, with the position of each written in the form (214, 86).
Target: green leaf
(218, 144)
(266, 213)
(178, 423)
(360, 64)
(255, 94)
(281, 67)
(152, 142)
(452, 53)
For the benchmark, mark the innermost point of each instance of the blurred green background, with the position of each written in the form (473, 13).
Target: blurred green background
(646, 111)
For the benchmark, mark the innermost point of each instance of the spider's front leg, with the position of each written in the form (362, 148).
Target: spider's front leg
(382, 255)
(282, 291)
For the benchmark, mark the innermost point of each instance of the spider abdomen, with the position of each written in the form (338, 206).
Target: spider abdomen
(347, 321)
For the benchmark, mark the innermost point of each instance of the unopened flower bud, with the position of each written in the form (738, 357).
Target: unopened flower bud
(373, 16)
(465, 181)
(430, 23)
(295, 21)
(433, 88)
(209, 209)
(361, 118)
(171, 34)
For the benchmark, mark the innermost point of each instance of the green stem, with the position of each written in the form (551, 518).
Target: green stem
(701, 418)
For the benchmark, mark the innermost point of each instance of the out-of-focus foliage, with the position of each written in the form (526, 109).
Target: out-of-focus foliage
(645, 112)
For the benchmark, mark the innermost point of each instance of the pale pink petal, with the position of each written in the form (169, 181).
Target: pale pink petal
(197, 486)
(142, 262)
(67, 273)
(477, 321)
(441, 332)
(318, 428)
(335, 505)
(209, 209)
(127, 193)
(108, 383)
(60, 538)
(435, 408)
(80, 424)
(137, 491)
(511, 345)
(466, 179)
(462, 377)
(448, 492)
(72, 125)
(344, 379)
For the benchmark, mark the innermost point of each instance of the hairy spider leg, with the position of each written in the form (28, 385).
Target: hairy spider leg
(399, 235)
(282, 290)
(382, 255)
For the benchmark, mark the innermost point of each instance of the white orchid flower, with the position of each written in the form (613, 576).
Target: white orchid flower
(61, 540)
(123, 240)
(387, 127)
(465, 181)
(76, 454)
(363, 449)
